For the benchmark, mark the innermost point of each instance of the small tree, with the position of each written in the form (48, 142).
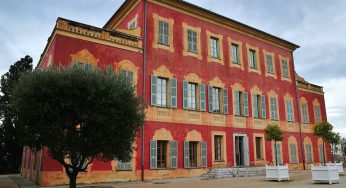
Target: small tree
(273, 132)
(79, 113)
(334, 139)
(324, 131)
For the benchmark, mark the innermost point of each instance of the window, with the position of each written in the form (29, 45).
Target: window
(218, 148)
(259, 148)
(289, 110)
(192, 41)
(321, 152)
(259, 106)
(195, 154)
(132, 25)
(128, 75)
(194, 96)
(277, 153)
(305, 113)
(317, 114)
(241, 103)
(235, 54)
(293, 150)
(252, 57)
(161, 154)
(274, 108)
(161, 94)
(270, 66)
(163, 33)
(308, 154)
(218, 100)
(191, 96)
(285, 72)
(214, 47)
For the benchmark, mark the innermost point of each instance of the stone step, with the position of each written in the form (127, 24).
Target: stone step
(216, 173)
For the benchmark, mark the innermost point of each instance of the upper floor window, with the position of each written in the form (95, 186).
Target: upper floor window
(274, 108)
(163, 33)
(270, 66)
(214, 47)
(235, 54)
(191, 96)
(289, 110)
(317, 113)
(133, 25)
(252, 57)
(218, 100)
(285, 69)
(305, 113)
(259, 106)
(192, 41)
(241, 103)
(161, 95)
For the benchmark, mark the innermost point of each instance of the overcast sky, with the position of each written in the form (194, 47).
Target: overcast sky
(318, 26)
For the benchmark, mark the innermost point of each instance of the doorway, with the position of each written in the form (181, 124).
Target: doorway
(241, 150)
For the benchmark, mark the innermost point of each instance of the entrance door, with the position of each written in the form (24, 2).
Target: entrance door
(241, 150)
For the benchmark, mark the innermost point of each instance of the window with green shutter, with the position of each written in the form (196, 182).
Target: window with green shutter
(186, 154)
(274, 110)
(237, 103)
(225, 101)
(308, 154)
(174, 153)
(278, 153)
(241, 103)
(263, 107)
(246, 104)
(321, 152)
(124, 166)
(289, 110)
(255, 106)
(173, 94)
(153, 154)
(204, 154)
(202, 97)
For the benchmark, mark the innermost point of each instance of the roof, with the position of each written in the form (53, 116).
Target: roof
(208, 13)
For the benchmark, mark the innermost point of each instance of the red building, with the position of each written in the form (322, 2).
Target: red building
(212, 85)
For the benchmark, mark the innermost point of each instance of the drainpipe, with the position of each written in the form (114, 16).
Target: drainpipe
(144, 80)
(299, 118)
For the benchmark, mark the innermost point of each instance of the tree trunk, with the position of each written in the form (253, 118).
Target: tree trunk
(276, 154)
(73, 179)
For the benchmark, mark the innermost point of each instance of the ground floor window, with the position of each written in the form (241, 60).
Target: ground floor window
(277, 153)
(293, 150)
(218, 147)
(308, 153)
(163, 154)
(259, 148)
(195, 154)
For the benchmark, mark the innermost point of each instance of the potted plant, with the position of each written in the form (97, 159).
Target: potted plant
(325, 173)
(277, 172)
(334, 139)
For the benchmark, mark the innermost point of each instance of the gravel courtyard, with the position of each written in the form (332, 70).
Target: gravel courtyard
(298, 179)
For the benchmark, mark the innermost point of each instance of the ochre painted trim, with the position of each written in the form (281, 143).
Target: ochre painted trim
(281, 59)
(307, 90)
(170, 21)
(268, 74)
(262, 161)
(187, 27)
(223, 162)
(210, 35)
(98, 41)
(127, 65)
(258, 63)
(240, 53)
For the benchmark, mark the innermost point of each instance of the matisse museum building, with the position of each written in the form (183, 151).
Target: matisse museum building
(211, 86)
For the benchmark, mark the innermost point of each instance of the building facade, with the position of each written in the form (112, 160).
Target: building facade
(211, 85)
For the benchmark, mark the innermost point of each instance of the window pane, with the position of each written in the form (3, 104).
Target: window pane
(214, 47)
(216, 99)
(217, 148)
(235, 58)
(270, 68)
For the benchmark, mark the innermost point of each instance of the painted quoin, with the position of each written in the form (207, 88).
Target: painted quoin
(211, 84)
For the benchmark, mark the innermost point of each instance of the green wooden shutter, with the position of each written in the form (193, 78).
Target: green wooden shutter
(186, 154)
(202, 98)
(153, 89)
(210, 98)
(204, 154)
(237, 103)
(321, 152)
(263, 102)
(174, 154)
(246, 103)
(153, 154)
(225, 101)
(173, 83)
(255, 106)
(185, 94)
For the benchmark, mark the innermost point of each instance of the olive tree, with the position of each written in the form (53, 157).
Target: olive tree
(273, 132)
(79, 113)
